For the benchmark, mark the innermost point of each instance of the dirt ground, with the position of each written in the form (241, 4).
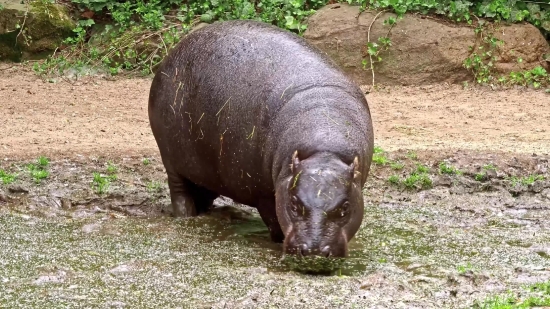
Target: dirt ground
(99, 116)
(471, 235)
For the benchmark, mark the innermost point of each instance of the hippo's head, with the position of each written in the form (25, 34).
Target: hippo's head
(321, 207)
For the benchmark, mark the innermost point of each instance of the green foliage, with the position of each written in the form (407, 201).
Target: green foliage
(43, 161)
(38, 171)
(145, 31)
(418, 180)
(393, 179)
(378, 157)
(7, 178)
(412, 155)
(528, 180)
(111, 168)
(153, 186)
(100, 183)
(397, 166)
(535, 12)
(483, 56)
(482, 175)
(146, 161)
(535, 296)
(462, 269)
(444, 168)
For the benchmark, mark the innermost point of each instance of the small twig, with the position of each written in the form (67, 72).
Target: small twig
(223, 106)
(165, 48)
(23, 25)
(368, 41)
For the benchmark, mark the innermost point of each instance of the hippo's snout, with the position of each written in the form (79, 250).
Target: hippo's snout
(307, 250)
(306, 247)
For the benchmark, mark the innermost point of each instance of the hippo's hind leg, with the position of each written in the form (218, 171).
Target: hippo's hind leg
(203, 198)
(267, 211)
(181, 195)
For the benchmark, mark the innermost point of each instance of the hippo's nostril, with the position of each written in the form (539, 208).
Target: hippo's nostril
(304, 249)
(325, 251)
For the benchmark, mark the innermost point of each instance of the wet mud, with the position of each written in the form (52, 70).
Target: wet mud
(474, 226)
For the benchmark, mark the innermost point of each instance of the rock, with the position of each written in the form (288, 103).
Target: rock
(46, 26)
(3, 197)
(17, 189)
(423, 51)
(442, 180)
(57, 278)
(90, 228)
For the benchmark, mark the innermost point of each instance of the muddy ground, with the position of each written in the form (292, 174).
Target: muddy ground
(462, 237)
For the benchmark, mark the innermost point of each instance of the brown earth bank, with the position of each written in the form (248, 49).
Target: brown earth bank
(444, 243)
(97, 116)
(424, 49)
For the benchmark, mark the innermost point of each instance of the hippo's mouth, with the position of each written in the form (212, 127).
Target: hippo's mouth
(301, 246)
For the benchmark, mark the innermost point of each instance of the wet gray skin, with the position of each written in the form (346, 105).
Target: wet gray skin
(231, 106)
(325, 206)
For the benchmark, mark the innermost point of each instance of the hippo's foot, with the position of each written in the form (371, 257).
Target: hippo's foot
(183, 204)
(268, 213)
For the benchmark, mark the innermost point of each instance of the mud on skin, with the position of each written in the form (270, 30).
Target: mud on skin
(246, 110)
(445, 247)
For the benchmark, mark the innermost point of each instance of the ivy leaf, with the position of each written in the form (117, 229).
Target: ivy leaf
(372, 48)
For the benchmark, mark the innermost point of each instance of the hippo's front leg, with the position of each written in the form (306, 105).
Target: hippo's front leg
(267, 211)
(183, 204)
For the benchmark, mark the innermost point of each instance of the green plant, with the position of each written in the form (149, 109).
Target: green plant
(418, 180)
(6, 177)
(43, 161)
(111, 168)
(528, 180)
(145, 31)
(534, 12)
(462, 269)
(146, 161)
(153, 186)
(397, 166)
(421, 169)
(482, 175)
(444, 168)
(534, 296)
(412, 155)
(378, 156)
(393, 179)
(379, 159)
(38, 171)
(100, 183)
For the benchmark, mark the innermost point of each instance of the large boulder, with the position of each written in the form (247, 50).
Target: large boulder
(44, 28)
(424, 50)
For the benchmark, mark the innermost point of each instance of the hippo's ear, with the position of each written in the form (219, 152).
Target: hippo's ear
(295, 162)
(354, 168)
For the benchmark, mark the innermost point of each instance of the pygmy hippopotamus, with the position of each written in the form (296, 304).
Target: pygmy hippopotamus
(252, 112)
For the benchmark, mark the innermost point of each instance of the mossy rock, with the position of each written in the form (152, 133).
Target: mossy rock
(45, 27)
